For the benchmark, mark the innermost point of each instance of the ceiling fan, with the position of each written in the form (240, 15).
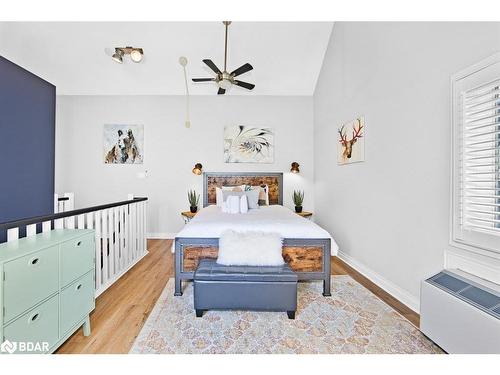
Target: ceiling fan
(224, 79)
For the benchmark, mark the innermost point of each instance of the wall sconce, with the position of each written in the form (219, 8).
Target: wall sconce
(295, 167)
(136, 54)
(197, 168)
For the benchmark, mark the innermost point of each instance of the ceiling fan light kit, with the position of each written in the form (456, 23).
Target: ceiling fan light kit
(225, 80)
(136, 54)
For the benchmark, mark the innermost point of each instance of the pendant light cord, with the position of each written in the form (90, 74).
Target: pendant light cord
(187, 97)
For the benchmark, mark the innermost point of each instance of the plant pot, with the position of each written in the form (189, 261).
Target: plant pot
(193, 209)
(298, 209)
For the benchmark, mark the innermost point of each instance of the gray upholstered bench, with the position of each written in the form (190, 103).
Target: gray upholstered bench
(271, 288)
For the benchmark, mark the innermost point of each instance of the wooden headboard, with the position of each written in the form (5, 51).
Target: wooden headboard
(211, 180)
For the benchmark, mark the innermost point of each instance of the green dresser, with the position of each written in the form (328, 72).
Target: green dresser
(47, 289)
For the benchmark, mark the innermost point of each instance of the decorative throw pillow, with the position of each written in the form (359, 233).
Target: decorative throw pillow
(250, 249)
(230, 193)
(219, 197)
(253, 198)
(263, 193)
(243, 204)
(231, 205)
(232, 188)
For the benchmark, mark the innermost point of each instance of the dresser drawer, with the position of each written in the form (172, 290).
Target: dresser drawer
(37, 326)
(77, 301)
(29, 280)
(77, 258)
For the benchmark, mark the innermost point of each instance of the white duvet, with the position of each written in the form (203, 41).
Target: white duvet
(211, 222)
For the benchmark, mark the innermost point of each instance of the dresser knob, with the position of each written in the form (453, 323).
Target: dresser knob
(78, 243)
(34, 317)
(34, 261)
(79, 286)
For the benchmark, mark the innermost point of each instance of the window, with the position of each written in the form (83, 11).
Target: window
(476, 156)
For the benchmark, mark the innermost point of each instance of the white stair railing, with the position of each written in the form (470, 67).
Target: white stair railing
(120, 234)
(64, 203)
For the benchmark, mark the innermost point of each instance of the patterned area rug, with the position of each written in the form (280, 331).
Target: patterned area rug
(353, 320)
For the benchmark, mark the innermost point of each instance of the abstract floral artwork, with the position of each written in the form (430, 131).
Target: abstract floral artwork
(246, 144)
(123, 144)
(351, 145)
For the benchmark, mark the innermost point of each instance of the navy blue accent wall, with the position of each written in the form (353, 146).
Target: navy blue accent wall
(27, 144)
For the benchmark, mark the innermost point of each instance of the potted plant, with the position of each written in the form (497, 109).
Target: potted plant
(298, 199)
(193, 199)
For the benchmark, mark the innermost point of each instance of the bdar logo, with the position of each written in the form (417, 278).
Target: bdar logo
(8, 347)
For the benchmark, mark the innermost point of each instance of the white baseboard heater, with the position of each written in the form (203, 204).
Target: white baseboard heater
(461, 312)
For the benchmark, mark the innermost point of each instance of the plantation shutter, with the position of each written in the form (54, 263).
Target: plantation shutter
(480, 166)
(476, 121)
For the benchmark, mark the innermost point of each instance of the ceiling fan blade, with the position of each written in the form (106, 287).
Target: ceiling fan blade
(212, 66)
(221, 91)
(203, 79)
(242, 69)
(248, 86)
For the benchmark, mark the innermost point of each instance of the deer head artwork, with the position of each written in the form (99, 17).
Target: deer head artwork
(348, 144)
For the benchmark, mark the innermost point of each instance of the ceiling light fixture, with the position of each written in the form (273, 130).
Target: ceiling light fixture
(136, 54)
(118, 56)
(225, 79)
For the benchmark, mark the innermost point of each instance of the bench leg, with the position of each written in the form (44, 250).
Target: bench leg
(178, 282)
(178, 286)
(326, 288)
(291, 314)
(327, 259)
(199, 313)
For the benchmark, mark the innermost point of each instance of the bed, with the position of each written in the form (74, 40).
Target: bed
(307, 248)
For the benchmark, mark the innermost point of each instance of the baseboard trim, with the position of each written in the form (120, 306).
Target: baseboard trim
(400, 294)
(160, 236)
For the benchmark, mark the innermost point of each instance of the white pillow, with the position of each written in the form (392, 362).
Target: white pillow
(233, 204)
(266, 191)
(250, 249)
(243, 204)
(219, 197)
(259, 188)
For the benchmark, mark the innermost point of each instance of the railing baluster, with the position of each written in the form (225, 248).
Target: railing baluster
(111, 251)
(116, 242)
(145, 227)
(46, 226)
(105, 269)
(12, 234)
(59, 224)
(119, 240)
(30, 230)
(90, 220)
(70, 222)
(98, 250)
(133, 231)
(81, 221)
(141, 230)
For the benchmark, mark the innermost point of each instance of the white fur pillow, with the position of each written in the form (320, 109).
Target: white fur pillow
(243, 204)
(250, 249)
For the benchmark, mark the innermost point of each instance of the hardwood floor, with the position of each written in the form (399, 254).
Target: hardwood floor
(122, 310)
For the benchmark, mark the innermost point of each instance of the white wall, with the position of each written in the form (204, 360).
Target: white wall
(390, 213)
(171, 150)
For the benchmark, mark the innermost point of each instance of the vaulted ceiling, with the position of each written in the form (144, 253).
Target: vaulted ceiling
(76, 57)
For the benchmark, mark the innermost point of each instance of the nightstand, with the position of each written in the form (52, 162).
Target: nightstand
(305, 214)
(187, 216)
